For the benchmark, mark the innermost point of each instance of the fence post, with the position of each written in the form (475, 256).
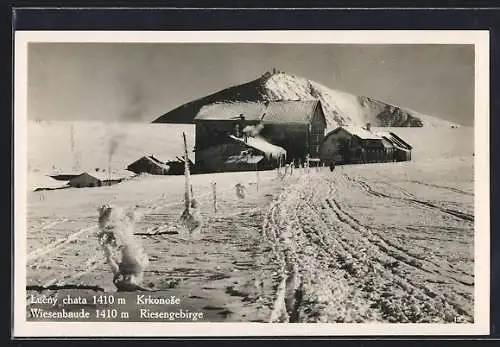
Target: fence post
(187, 189)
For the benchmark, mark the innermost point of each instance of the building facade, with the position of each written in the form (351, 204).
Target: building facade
(351, 145)
(297, 126)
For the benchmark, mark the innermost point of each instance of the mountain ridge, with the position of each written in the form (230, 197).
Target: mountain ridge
(339, 107)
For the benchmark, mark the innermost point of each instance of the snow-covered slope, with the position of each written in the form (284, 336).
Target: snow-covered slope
(60, 146)
(435, 143)
(340, 108)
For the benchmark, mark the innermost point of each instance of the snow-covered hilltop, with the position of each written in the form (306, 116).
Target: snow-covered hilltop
(340, 108)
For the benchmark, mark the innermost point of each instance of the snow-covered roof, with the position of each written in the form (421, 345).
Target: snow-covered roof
(294, 111)
(154, 159)
(405, 144)
(394, 139)
(262, 145)
(151, 159)
(231, 111)
(290, 111)
(40, 181)
(360, 132)
(59, 172)
(383, 133)
(106, 176)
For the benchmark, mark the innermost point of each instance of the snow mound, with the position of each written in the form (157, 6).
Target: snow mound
(38, 181)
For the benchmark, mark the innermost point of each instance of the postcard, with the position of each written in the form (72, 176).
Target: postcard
(251, 183)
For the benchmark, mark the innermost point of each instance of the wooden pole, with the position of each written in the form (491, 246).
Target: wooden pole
(187, 188)
(214, 193)
(279, 165)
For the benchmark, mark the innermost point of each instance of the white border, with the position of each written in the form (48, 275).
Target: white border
(480, 39)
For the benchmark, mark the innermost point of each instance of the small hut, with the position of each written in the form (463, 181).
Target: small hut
(96, 179)
(149, 164)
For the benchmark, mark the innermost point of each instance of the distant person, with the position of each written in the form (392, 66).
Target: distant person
(332, 166)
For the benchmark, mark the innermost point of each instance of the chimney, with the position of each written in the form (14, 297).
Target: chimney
(368, 126)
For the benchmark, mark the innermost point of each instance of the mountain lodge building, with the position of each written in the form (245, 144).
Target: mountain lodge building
(277, 131)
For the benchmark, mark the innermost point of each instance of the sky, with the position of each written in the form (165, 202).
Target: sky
(141, 81)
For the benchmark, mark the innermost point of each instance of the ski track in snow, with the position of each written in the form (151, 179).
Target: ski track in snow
(356, 272)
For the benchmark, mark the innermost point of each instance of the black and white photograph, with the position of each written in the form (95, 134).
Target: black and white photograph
(258, 178)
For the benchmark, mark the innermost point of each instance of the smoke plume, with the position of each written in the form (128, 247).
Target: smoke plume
(136, 105)
(113, 144)
(253, 130)
(135, 95)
